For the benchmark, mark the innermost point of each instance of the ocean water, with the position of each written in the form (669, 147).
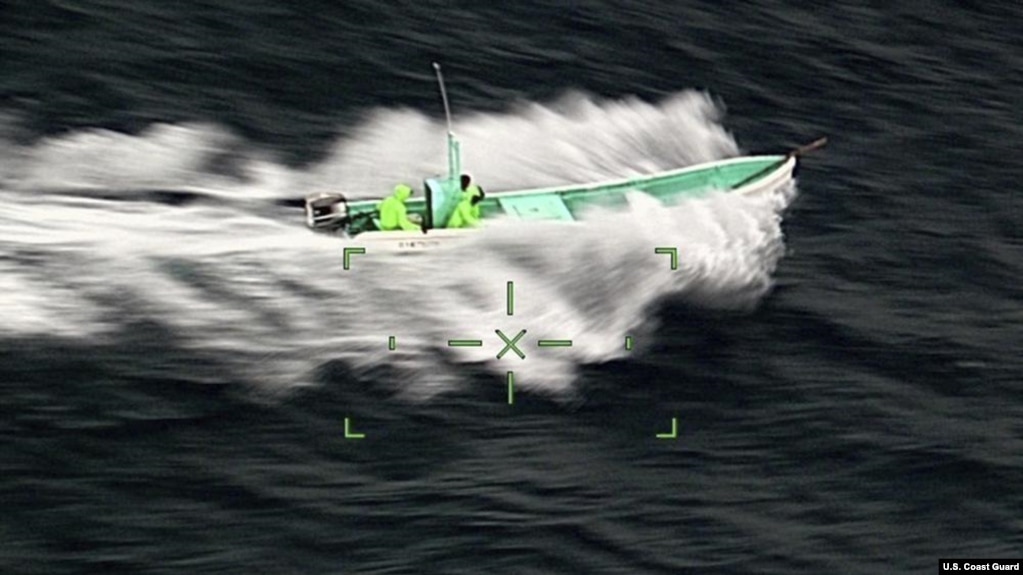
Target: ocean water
(183, 364)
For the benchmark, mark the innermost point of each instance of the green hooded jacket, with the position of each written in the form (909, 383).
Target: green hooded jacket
(466, 214)
(393, 214)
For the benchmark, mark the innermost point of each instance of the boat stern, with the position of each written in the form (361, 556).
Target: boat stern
(326, 212)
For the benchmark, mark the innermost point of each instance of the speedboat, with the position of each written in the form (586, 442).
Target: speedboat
(359, 221)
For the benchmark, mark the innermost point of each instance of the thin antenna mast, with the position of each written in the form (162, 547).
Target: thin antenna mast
(443, 94)
(454, 151)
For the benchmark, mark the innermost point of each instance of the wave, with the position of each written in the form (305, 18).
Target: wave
(233, 272)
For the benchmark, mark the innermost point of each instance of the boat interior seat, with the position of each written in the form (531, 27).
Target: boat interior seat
(716, 181)
(545, 207)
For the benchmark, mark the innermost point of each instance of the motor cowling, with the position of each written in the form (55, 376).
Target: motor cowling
(326, 212)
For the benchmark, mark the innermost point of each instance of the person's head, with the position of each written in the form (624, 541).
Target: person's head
(402, 192)
(466, 180)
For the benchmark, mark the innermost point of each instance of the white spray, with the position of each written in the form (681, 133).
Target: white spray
(234, 275)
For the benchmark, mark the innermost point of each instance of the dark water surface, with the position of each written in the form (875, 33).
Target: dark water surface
(179, 354)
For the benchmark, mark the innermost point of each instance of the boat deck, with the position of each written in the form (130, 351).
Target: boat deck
(567, 203)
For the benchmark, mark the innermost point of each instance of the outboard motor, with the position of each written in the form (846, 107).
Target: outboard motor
(326, 212)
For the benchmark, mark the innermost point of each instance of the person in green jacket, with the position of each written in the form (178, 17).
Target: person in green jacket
(468, 186)
(467, 213)
(393, 214)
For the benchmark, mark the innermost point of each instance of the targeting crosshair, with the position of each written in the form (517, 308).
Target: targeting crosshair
(511, 344)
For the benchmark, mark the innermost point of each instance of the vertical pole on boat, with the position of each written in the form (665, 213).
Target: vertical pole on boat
(454, 152)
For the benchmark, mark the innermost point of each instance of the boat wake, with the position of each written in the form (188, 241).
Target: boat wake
(102, 231)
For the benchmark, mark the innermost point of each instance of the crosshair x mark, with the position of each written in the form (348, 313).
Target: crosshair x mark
(510, 345)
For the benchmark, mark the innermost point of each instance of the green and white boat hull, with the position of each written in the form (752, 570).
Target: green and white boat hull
(357, 220)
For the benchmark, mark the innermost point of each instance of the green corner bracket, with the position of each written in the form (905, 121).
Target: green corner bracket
(674, 430)
(348, 431)
(673, 252)
(348, 253)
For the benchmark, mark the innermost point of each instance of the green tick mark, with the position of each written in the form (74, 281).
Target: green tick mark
(628, 343)
(674, 430)
(392, 343)
(465, 343)
(554, 343)
(511, 387)
(673, 252)
(348, 431)
(510, 345)
(511, 298)
(348, 253)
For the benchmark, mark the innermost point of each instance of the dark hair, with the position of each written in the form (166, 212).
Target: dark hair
(466, 180)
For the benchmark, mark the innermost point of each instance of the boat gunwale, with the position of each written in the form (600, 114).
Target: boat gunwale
(782, 159)
(378, 237)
